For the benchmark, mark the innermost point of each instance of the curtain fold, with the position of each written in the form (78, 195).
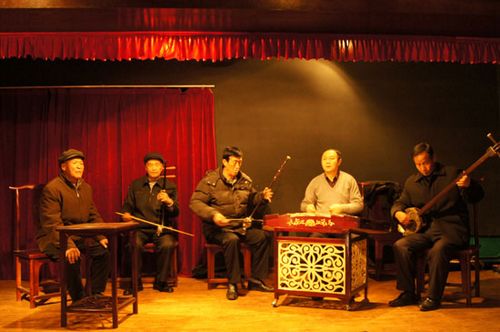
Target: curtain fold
(219, 46)
(115, 128)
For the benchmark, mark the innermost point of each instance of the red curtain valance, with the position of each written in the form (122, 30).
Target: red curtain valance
(222, 46)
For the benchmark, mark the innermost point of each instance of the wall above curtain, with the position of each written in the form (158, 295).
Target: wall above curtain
(437, 31)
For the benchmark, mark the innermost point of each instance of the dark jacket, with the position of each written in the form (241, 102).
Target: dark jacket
(215, 195)
(449, 215)
(62, 203)
(141, 201)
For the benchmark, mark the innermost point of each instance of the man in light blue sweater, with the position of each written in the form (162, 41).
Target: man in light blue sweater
(333, 191)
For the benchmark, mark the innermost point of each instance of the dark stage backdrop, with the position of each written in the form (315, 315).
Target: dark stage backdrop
(115, 128)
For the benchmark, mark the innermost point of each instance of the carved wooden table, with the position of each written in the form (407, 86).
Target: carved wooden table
(105, 304)
(319, 267)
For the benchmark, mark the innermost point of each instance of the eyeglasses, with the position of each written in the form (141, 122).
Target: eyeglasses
(234, 161)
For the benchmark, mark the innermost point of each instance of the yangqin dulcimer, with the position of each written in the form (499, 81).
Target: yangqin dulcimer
(306, 222)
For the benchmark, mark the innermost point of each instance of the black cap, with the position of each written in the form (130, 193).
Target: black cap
(70, 154)
(155, 156)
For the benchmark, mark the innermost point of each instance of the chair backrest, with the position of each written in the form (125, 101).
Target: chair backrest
(26, 215)
(378, 197)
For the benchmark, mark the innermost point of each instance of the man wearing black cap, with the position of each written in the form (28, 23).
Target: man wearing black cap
(67, 200)
(153, 198)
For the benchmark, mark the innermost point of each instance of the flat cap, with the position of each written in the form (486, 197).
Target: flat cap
(70, 154)
(155, 156)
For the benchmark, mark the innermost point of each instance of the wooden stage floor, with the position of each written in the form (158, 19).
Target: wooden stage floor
(194, 308)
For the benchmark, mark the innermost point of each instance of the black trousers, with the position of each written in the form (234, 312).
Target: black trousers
(439, 248)
(259, 244)
(99, 268)
(165, 245)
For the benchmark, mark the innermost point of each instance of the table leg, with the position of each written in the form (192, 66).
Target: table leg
(63, 238)
(134, 270)
(114, 266)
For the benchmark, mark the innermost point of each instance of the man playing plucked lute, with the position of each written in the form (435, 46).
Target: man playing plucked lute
(446, 225)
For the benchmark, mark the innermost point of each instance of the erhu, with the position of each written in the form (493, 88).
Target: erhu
(240, 225)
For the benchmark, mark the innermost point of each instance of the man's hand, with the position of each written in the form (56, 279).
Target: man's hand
(464, 181)
(220, 220)
(104, 243)
(403, 218)
(72, 254)
(336, 209)
(267, 194)
(310, 208)
(127, 217)
(164, 198)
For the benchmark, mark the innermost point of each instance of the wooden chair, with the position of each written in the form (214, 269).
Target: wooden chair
(33, 258)
(377, 223)
(212, 250)
(468, 259)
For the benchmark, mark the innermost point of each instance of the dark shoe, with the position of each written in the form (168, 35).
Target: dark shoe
(430, 304)
(50, 287)
(232, 292)
(405, 298)
(259, 285)
(163, 287)
(77, 302)
(128, 291)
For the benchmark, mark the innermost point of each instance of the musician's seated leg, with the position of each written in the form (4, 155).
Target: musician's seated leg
(100, 266)
(259, 244)
(405, 251)
(73, 274)
(438, 260)
(165, 247)
(230, 243)
(142, 236)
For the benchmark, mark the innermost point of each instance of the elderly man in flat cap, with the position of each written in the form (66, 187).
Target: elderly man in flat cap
(67, 200)
(153, 198)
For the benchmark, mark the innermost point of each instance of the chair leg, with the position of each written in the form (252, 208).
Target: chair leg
(34, 272)
(477, 269)
(210, 267)
(18, 279)
(466, 286)
(379, 253)
(172, 280)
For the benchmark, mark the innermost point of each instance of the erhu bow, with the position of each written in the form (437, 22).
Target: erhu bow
(415, 214)
(240, 225)
(144, 221)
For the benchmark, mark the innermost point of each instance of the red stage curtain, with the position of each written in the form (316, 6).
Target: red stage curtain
(115, 127)
(221, 46)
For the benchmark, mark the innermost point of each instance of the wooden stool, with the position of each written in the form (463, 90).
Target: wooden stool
(212, 250)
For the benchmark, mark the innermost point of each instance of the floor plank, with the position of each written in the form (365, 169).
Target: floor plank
(194, 308)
